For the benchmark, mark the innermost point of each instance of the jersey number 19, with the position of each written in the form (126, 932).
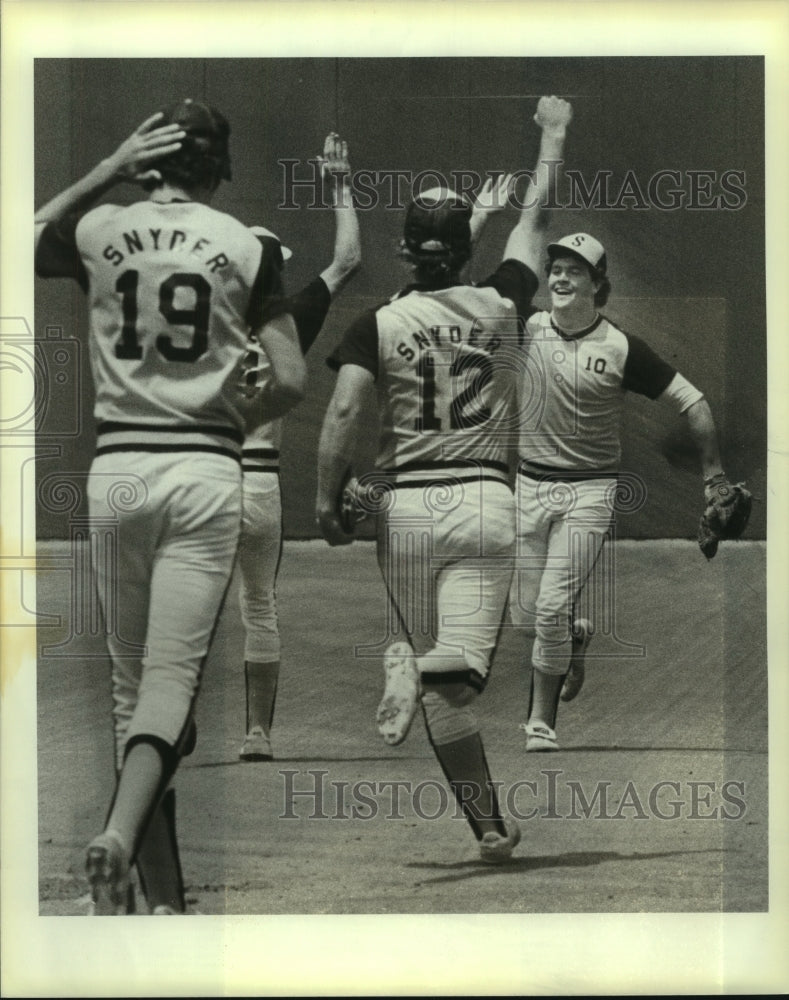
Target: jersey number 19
(129, 347)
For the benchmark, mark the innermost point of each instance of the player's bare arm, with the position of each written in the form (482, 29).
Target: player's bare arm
(701, 425)
(337, 447)
(553, 115)
(347, 242)
(493, 197)
(285, 389)
(130, 162)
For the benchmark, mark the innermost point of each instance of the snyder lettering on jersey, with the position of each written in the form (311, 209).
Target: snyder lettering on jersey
(174, 289)
(571, 401)
(167, 240)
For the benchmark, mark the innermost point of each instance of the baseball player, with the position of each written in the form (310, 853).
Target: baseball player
(174, 288)
(260, 546)
(580, 365)
(441, 359)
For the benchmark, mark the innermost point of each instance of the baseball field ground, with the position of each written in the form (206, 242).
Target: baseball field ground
(655, 803)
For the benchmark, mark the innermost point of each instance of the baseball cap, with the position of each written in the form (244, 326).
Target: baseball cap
(208, 128)
(590, 250)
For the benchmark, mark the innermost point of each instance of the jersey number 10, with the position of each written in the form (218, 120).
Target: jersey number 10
(129, 347)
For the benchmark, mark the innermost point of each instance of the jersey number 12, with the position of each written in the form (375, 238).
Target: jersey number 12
(436, 381)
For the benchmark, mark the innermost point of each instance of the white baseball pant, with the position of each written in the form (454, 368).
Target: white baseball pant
(561, 529)
(175, 555)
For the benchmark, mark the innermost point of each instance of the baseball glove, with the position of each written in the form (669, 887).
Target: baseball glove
(726, 512)
(351, 503)
(254, 365)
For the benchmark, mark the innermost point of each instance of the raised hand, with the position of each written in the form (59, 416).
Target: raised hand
(335, 162)
(553, 114)
(131, 160)
(493, 196)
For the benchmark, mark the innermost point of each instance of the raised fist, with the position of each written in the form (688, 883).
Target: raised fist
(553, 113)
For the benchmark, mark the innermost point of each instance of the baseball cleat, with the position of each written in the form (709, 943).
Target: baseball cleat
(257, 746)
(401, 694)
(583, 630)
(107, 868)
(539, 737)
(494, 849)
(164, 911)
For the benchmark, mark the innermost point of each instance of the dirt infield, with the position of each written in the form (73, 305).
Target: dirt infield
(656, 803)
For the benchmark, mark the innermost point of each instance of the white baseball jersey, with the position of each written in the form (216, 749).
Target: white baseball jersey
(173, 291)
(445, 365)
(573, 388)
(571, 401)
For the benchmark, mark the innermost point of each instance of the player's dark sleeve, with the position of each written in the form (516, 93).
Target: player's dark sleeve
(515, 281)
(57, 254)
(272, 248)
(359, 345)
(645, 372)
(309, 308)
(267, 299)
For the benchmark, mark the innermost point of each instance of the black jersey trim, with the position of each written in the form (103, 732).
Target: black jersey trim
(142, 446)
(309, 309)
(581, 333)
(118, 426)
(260, 453)
(418, 484)
(563, 475)
(446, 463)
(659, 372)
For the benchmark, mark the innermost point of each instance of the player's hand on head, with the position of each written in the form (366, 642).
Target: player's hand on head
(493, 196)
(334, 162)
(553, 113)
(132, 160)
(331, 528)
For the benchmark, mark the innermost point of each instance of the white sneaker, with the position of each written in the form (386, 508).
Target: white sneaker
(107, 868)
(539, 737)
(583, 630)
(494, 849)
(257, 746)
(401, 694)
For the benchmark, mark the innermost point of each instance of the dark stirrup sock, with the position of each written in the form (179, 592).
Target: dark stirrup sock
(466, 769)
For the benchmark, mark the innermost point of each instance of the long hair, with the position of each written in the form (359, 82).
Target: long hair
(204, 157)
